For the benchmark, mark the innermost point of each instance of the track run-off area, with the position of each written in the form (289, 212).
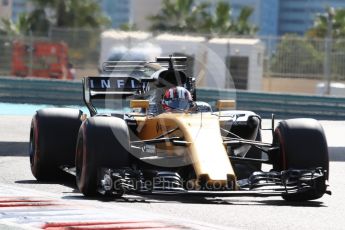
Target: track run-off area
(28, 204)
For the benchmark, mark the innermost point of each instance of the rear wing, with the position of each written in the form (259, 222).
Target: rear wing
(111, 88)
(171, 63)
(128, 78)
(123, 66)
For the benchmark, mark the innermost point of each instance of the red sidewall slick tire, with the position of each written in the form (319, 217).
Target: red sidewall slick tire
(303, 145)
(102, 142)
(53, 136)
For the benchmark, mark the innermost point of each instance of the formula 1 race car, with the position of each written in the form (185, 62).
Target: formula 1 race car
(154, 137)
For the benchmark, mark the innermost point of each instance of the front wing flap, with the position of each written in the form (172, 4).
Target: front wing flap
(260, 184)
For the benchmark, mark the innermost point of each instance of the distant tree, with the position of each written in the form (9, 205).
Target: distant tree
(177, 16)
(38, 21)
(242, 25)
(73, 13)
(219, 21)
(57, 13)
(319, 30)
(186, 16)
(128, 27)
(21, 27)
(297, 56)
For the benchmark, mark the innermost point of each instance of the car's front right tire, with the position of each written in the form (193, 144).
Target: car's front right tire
(303, 145)
(102, 142)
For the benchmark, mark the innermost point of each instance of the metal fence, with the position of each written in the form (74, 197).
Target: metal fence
(301, 57)
(5, 56)
(84, 45)
(289, 64)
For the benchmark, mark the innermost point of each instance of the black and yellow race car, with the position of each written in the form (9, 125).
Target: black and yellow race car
(154, 137)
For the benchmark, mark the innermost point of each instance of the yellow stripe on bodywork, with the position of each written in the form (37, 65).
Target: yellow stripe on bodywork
(206, 148)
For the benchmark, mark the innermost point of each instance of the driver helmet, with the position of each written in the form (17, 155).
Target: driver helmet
(177, 98)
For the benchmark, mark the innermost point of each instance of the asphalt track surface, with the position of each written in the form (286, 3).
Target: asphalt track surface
(25, 203)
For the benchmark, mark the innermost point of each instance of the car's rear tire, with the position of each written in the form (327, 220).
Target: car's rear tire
(53, 137)
(302, 145)
(102, 142)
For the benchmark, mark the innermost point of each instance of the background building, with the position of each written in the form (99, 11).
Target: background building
(5, 8)
(11, 9)
(141, 10)
(297, 16)
(265, 14)
(118, 11)
(19, 7)
(272, 17)
(279, 17)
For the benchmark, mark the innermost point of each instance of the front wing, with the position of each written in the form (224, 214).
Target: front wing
(262, 184)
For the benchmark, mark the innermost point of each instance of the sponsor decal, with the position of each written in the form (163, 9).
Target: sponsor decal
(114, 83)
(117, 83)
